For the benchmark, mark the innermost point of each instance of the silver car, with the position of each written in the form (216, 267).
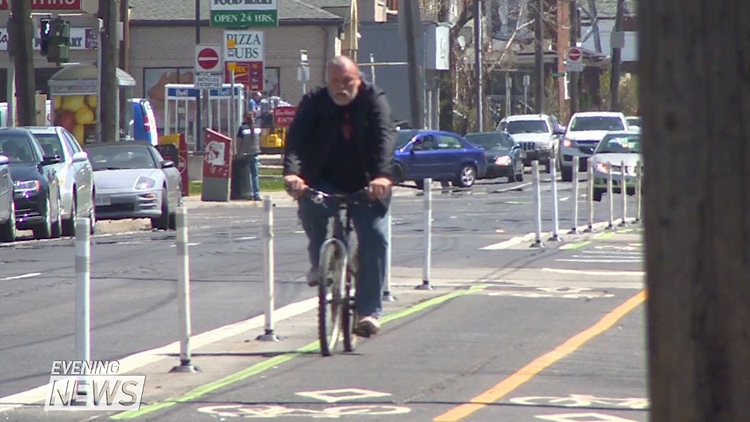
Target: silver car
(74, 174)
(7, 205)
(134, 181)
(616, 148)
(583, 134)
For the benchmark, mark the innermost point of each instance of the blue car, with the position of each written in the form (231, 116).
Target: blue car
(442, 156)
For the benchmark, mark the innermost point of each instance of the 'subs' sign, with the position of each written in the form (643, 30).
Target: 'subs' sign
(243, 46)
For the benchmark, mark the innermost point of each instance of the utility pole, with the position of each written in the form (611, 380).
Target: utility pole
(478, 63)
(693, 92)
(575, 27)
(539, 57)
(617, 42)
(125, 43)
(198, 105)
(409, 7)
(21, 36)
(108, 69)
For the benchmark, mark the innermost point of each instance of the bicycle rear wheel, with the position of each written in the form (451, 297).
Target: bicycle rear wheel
(350, 308)
(330, 297)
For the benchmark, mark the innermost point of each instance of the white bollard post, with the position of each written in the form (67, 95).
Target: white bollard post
(624, 192)
(83, 297)
(183, 292)
(590, 195)
(638, 187)
(576, 163)
(555, 202)
(268, 269)
(610, 193)
(427, 236)
(387, 296)
(537, 204)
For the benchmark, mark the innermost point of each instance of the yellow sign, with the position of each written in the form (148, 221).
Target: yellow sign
(231, 43)
(232, 66)
(173, 139)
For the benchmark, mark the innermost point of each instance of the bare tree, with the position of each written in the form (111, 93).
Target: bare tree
(695, 98)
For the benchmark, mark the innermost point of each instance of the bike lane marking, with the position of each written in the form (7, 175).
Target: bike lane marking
(541, 363)
(278, 360)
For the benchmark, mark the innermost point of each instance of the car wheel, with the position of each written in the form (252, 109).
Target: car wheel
(173, 215)
(162, 223)
(398, 173)
(44, 230)
(57, 225)
(566, 173)
(598, 195)
(69, 225)
(8, 229)
(519, 175)
(466, 177)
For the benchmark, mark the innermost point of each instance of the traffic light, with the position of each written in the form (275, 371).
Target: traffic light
(58, 41)
(44, 34)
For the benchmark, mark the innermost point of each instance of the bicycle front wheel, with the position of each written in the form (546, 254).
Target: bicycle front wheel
(349, 317)
(330, 296)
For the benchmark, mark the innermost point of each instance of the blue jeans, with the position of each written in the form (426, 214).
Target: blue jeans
(370, 226)
(254, 182)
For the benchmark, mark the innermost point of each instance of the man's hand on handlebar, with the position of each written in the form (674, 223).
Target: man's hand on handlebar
(380, 188)
(294, 185)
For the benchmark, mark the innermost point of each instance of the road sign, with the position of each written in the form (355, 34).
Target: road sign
(208, 58)
(87, 6)
(208, 80)
(283, 116)
(244, 13)
(574, 60)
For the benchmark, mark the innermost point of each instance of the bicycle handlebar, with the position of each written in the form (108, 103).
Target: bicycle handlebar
(318, 196)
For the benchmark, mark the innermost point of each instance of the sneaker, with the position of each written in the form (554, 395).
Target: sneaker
(313, 277)
(367, 326)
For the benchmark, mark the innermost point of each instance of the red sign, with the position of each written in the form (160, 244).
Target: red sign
(182, 165)
(217, 158)
(249, 74)
(574, 54)
(208, 58)
(49, 4)
(283, 116)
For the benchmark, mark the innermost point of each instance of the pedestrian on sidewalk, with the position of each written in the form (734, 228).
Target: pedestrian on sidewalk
(249, 149)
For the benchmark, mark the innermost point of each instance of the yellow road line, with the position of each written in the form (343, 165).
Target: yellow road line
(539, 364)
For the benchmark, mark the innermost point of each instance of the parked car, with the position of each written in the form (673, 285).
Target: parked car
(74, 174)
(442, 156)
(36, 188)
(633, 122)
(504, 156)
(144, 122)
(538, 134)
(7, 207)
(583, 134)
(134, 181)
(614, 149)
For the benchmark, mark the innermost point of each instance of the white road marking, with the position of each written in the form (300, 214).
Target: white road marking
(601, 261)
(248, 238)
(189, 244)
(531, 236)
(141, 359)
(578, 417)
(20, 277)
(603, 273)
(335, 396)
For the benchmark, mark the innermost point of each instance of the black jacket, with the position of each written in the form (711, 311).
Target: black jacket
(315, 128)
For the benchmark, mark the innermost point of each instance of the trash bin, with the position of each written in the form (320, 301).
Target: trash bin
(241, 188)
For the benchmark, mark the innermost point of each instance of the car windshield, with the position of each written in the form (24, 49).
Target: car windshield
(403, 137)
(50, 143)
(634, 121)
(121, 157)
(486, 140)
(526, 126)
(17, 148)
(608, 123)
(620, 144)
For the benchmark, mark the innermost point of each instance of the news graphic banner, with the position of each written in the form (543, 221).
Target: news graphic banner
(92, 385)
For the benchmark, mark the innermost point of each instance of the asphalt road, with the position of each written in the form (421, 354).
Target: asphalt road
(134, 308)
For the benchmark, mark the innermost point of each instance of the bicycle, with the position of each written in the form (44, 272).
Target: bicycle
(338, 274)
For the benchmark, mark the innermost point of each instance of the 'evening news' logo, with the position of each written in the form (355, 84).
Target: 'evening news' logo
(92, 385)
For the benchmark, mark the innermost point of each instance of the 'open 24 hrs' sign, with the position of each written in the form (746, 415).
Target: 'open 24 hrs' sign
(243, 46)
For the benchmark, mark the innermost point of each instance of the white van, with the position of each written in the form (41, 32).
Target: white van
(4, 120)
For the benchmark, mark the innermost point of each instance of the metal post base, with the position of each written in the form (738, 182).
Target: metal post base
(537, 244)
(388, 297)
(268, 336)
(185, 367)
(610, 227)
(623, 223)
(425, 285)
(574, 230)
(555, 238)
(589, 229)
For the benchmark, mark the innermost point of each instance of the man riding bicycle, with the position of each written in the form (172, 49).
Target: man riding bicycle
(342, 141)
